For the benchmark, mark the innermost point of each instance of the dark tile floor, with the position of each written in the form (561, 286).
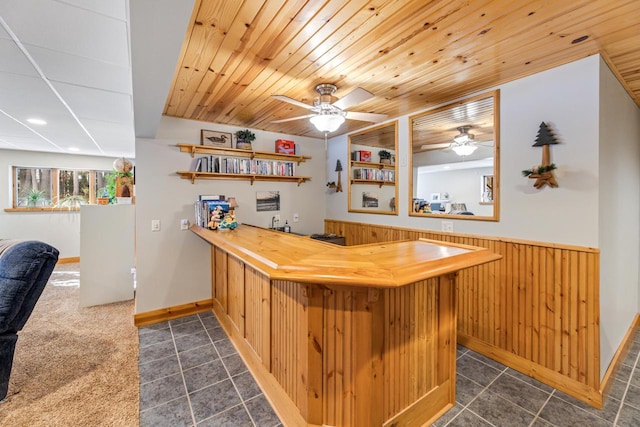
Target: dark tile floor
(190, 374)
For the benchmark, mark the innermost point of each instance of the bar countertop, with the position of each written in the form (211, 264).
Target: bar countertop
(283, 256)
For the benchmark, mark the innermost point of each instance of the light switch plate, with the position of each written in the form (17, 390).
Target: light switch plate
(296, 217)
(447, 226)
(155, 225)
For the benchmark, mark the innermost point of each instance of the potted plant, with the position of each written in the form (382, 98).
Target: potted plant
(71, 202)
(385, 157)
(34, 197)
(103, 195)
(244, 138)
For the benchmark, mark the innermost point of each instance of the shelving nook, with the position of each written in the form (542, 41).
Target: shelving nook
(237, 164)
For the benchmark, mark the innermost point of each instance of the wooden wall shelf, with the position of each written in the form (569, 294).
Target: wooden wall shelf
(372, 165)
(193, 176)
(237, 153)
(379, 183)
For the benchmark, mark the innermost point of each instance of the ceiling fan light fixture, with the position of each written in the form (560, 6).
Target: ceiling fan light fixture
(327, 122)
(463, 138)
(464, 135)
(463, 149)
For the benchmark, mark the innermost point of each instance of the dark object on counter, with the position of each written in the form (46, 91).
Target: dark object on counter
(329, 238)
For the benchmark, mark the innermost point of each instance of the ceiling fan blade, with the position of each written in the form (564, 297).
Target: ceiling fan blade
(366, 117)
(354, 97)
(293, 118)
(428, 147)
(292, 101)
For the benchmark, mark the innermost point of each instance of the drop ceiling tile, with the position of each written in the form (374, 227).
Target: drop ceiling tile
(8, 145)
(4, 34)
(115, 138)
(95, 104)
(13, 60)
(77, 31)
(10, 128)
(31, 143)
(26, 96)
(112, 8)
(81, 71)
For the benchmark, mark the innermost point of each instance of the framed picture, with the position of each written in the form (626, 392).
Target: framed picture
(435, 197)
(215, 139)
(267, 201)
(369, 200)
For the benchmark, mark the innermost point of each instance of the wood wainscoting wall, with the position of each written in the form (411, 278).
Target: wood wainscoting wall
(535, 310)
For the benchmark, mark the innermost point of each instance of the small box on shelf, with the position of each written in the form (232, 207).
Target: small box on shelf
(361, 156)
(285, 146)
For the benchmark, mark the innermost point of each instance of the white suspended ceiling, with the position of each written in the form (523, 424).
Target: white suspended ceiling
(68, 63)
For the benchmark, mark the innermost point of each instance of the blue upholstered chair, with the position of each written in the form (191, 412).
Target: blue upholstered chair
(25, 268)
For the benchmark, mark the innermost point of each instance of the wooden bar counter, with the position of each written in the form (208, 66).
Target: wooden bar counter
(342, 336)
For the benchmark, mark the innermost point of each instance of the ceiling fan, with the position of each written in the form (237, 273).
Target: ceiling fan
(329, 113)
(464, 144)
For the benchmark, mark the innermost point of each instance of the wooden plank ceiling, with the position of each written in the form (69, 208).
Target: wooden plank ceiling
(412, 54)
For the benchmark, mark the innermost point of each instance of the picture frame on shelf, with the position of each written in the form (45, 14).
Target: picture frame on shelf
(213, 138)
(435, 197)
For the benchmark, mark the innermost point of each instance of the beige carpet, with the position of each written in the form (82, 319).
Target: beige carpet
(74, 366)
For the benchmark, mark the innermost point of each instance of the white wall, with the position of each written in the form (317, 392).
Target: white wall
(61, 229)
(619, 211)
(172, 265)
(566, 98)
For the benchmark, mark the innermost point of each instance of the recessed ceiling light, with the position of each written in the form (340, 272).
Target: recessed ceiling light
(74, 149)
(37, 121)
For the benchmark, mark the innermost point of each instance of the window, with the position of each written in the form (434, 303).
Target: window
(33, 187)
(101, 184)
(73, 187)
(57, 188)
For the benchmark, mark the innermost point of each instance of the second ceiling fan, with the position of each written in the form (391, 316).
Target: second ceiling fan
(329, 113)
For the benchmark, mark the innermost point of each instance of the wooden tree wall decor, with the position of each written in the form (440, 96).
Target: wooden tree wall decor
(339, 170)
(543, 174)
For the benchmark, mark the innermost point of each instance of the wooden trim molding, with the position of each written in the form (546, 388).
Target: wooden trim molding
(568, 385)
(536, 309)
(43, 209)
(69, 260)
(614, 366)
(160, 315)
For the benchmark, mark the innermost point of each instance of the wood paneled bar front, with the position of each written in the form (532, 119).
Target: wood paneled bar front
(342, 336)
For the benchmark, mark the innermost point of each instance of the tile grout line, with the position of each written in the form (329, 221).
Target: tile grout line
(541, 408)
(626, 389)
(184, 381)
(477, 395)
(242, 400)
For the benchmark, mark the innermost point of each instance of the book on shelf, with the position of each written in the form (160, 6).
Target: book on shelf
(373, 174)
(243, 166)
(203, 207)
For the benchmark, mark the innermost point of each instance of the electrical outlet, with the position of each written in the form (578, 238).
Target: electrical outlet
(296, 217)
(155, 225)
(447, 226)
(277, 218)
(184, 224)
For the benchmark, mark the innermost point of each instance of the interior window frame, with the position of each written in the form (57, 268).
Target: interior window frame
(495, 94)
